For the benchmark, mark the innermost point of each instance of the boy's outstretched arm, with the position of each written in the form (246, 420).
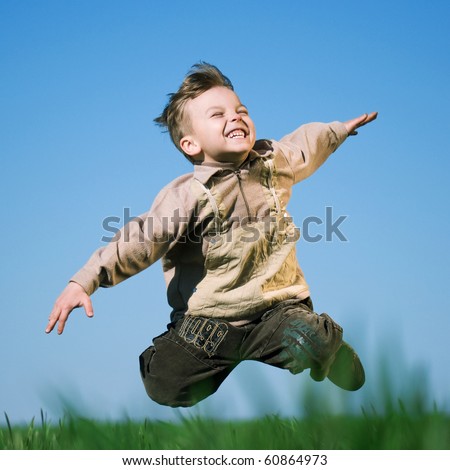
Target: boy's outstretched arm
(360, 121)
(71, 297)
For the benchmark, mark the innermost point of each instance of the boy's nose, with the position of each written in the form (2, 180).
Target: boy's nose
(236, 117)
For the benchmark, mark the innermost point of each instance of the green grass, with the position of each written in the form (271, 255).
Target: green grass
(395, 429)
(412, 422)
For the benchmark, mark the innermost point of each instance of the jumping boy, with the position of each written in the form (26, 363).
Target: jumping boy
(227, 246)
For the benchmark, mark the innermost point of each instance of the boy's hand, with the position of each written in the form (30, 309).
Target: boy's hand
(72, 296)
(362, 120)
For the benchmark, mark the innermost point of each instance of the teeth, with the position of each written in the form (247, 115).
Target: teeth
(237, 133)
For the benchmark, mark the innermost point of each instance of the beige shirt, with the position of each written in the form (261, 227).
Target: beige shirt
(226, 241)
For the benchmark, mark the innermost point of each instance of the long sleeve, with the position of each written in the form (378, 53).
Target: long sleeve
(308, 147)
(140, 243)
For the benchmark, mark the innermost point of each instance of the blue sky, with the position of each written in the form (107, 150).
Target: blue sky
(81, 83)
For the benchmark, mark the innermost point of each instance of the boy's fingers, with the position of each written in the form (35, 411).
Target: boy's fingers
(361, 118)
(87, 304)
(354, 123)
(52, 319)
(60, 315)
(368, 118)
(50, 326)
(62, 320)
(360, 121)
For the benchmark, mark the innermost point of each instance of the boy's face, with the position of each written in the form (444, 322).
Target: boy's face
(220, 129)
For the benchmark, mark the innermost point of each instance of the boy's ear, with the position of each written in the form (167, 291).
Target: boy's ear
(190, 146)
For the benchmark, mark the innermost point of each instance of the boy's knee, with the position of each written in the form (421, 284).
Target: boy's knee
(169, 394)
(166, 397)
(311, 340)
(157, 388)
(330, 334)
(172, 389)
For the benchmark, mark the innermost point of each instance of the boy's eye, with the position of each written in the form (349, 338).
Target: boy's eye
(243, 111)
(217, 114)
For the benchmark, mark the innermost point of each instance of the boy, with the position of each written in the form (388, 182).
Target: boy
(228, 251)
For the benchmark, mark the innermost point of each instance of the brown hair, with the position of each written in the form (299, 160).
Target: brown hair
(200, 78)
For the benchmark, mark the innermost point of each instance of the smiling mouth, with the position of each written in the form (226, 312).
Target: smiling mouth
(237, 134)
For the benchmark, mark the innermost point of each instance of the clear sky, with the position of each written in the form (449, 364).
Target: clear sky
(81, 82)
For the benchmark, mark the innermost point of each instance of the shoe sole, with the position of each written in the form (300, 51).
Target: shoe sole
(346, 371)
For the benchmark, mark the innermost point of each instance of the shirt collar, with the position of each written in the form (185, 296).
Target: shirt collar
(204, 171)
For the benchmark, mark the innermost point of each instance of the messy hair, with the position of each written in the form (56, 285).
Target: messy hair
(200, 78)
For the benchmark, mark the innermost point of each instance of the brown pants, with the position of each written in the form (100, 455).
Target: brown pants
(194, 356)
